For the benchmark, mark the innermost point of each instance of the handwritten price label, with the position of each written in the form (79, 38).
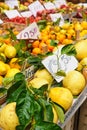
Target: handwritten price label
(66, 63)
(1, 21)
(49, 5)
(56, 16)
(58, 3)
(26, 14)
(12, 3)
(29, 72)
(31, 32)
(12, 13)
(35, 7)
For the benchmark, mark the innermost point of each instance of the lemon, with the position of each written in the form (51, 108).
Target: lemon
(11, 72)
(83, 62)
(43, 73)
(74, 81)
(38, 82)
(2, 46)
(8, 117)
(55, 118)
(7, 67)
(2, 57)
(81, 49)
(14, 63)
(10, 51)
(3, 69)
(61, 96)
(1, 78)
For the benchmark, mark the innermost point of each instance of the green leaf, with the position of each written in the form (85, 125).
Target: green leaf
(60, 112)
(42, 125)
(57, 21)
(54, 43)
(19, 76)
(3, 90)
(69, 50)
(61, 73)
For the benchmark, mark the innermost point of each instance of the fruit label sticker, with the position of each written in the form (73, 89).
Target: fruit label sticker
(26, 14)
(35, 7)
(29, 72)
(1, 21)
(12, 13)
(31, 32)
(59, 3)
(76, 104)
(12, 3)
(57, 16)
(49, 5)
(59, 64)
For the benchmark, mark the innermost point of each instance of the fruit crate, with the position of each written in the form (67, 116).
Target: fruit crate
(82, 120)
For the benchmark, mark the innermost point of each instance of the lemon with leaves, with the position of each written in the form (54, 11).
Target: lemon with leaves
(10, 51)
(8, 117)
(74, 81)
(61, 96)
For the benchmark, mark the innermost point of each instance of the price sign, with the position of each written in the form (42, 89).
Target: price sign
(58, 3)
(29, 72)
(26, 14)
(12, 3)
(31, 32)
(12, 13)
(65, 63)
(1, 21)
(35, 7)
(56, 16)
(49, 5)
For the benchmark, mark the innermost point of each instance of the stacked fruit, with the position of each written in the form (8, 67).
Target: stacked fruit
(8, 63)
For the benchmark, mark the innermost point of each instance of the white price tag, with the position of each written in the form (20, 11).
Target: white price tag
(1, 21)
(12, 3)
(26, 14)
(49, 5)
(65, 63)
(35, 7)
(12, 13)
(58, 3)
(31, 32)
(56, 16)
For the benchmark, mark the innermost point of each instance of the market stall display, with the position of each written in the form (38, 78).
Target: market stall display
(43, 62)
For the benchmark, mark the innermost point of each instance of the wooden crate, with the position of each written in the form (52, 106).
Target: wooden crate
(70, 124)
(82, 122)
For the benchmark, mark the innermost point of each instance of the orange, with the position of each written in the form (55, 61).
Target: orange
(67, 41)
(61, 37)
(50, 47)
(41, 45)
(36, 51)
(35, 44)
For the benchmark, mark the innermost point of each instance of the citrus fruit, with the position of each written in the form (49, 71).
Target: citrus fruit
(14, 63)
(83, 62)
(8, 117)
(43, 73)
(11, 72)
(74, 81)
(55, 118)
(3, 69)
(61, 96)
(10, 51)
(2, 46)
(2, 57)
(1, 78)
(38, 82)
(81, 49)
